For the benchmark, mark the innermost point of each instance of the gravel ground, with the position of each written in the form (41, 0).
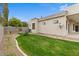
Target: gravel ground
(8, 46)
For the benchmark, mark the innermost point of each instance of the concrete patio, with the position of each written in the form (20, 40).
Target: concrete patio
(70, 37)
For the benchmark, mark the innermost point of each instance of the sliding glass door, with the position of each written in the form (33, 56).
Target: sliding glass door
(77, 28)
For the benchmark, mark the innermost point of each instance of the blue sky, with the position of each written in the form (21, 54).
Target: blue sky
(27, 11)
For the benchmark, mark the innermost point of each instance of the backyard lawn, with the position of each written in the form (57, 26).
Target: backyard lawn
(36, 45)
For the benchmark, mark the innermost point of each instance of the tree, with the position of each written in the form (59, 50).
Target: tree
(1, 12)
(5, 14)
(15, 22)
(24, 24)
(1, 19)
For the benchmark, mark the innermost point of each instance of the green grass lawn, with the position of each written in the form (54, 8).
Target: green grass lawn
(36, 45)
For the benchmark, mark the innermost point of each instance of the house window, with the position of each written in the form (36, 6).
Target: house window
(56, 21)
(33, 25)
(76, 28)
(44, 23)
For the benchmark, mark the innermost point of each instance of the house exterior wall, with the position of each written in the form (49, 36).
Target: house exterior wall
(51, 28)
(36, 25)
(70, 26)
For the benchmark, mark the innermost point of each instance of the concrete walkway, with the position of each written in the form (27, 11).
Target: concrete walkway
(70, 37)
(74, 36)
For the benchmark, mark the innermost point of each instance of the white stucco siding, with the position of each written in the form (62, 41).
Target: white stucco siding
(71, 27)
(51, 28)
(73, 9)
(36, 25)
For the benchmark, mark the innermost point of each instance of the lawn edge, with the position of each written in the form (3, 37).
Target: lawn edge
(17, 45)
(50, 37)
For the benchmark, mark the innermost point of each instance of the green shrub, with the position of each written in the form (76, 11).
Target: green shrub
(23, 34)
(26, 33)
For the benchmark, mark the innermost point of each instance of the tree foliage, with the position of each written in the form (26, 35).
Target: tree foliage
(5, 14)
(24, 24)
(14, 22)
(17, 23)
(1, 13)
(1, 19)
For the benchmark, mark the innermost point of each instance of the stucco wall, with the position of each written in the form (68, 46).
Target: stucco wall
(71, 27)
(51, 28)
(36, 25)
